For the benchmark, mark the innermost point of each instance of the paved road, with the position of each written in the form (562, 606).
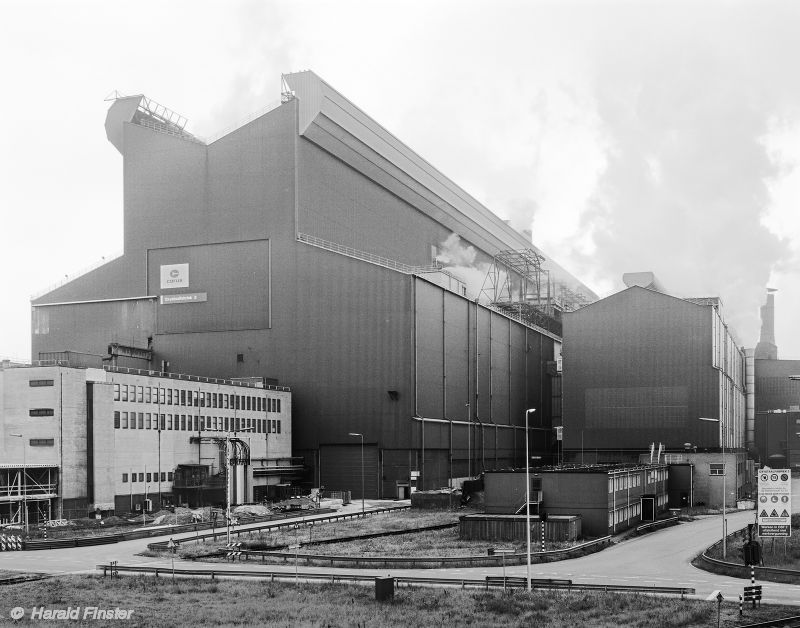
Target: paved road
(662, 558)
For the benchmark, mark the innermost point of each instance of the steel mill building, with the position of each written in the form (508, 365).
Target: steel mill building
(120, 440)
(312, 248)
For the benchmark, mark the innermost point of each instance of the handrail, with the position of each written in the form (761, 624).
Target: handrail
(654, 524)
(193, 378)
(407, 580)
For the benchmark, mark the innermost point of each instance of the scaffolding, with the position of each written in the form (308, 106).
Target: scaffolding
(30, 488)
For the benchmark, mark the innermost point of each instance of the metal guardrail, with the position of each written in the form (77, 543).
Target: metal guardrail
(743, 571)
(656, 524)
(418, 561)
(406, 580)
(162, 545)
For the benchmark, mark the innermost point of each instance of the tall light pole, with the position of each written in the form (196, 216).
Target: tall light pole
(528, 498)
(23, 485)
(362, 467)
(724, 474)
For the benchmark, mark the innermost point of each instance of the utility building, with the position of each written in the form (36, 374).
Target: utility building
(312, 248)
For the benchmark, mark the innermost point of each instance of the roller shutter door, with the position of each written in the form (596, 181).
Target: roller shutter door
(340, 469)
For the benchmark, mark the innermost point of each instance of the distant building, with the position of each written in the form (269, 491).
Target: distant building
(776, 399)
(79, 440)
(640, 370)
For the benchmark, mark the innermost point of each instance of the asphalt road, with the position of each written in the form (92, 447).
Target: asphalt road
(661, 558)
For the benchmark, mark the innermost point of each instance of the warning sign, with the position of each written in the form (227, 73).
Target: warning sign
(774, 503)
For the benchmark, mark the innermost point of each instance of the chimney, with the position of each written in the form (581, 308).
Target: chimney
(766, 349)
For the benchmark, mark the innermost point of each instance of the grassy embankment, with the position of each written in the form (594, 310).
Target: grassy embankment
(782, 553)
(430, 543)
(162, 602)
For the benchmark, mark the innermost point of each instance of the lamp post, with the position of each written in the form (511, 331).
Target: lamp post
(23, 485)
(362, 467)
(528, 500)
(724, 475)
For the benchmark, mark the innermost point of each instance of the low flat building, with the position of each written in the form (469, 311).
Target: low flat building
(80, 440)
(608, 498)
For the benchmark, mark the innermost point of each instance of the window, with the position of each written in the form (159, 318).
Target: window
(183, 397)
(140, 394)
(148, 421)
(169, 421)
(226, 424)
(116, 419)
(247, 402)
(202, 423)
(277, 405)
(124, 420)
(41, 442)
(279, 426)
(716, 468)
(213, 400)
(36, 383)
(162, 395)
(41, 412)
(149, 477)
(169, 396)
(124, 392)
(133, 477)
(116, 392)
(147, 396)
(141, 420)
(163, 422)
(196, 424)
(169, 476)
(156, 423)
(208, 400)
(141, 477)
(225, 400)
(124, 478)
(132, 424)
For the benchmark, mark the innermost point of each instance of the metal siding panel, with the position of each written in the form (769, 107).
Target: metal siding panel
(341, 470)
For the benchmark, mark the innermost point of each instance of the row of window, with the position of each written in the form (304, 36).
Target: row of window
(151, 477)
(658, 475)
(34, 383)
(625, 513)
(716, 468)
(624, 482)
(183, 397)
(41, 412)
(190, 423)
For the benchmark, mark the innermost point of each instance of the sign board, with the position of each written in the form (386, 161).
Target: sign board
(559, 432)
(774, 503)
(174, 276)
(194, 297)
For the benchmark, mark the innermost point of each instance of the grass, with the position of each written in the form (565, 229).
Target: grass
(430, 543)
(162, 602)
(772, 550)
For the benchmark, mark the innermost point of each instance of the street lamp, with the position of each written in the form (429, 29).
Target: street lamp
(724, 474)
(528, 499)
(362, 468)
(23, 485)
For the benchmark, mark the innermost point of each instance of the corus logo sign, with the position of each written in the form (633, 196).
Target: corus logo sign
(174, 276)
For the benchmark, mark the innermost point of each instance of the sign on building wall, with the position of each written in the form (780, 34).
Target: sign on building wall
(194, 297)
(774, 502)
(174, 276)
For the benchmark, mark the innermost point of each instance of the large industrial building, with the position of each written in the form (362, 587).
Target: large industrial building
(777, 399)
(645, 374)
(81, 440)
(311, 248)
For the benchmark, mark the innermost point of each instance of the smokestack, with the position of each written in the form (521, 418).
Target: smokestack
(766, 349)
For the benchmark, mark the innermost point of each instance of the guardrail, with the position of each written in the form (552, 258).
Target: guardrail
(656, 524)
(400, 580)
(269, 522)
(162, 545)
(421, 561)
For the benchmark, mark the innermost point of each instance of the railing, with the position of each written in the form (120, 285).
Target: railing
(79, 273)
(193, 378)
(656, 524)
(408, 581)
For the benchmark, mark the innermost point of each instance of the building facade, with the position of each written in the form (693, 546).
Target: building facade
(643, 369)
(80, 440)
(312, 248)
(608, 498)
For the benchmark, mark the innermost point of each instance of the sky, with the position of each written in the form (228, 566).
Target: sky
(632, 136)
